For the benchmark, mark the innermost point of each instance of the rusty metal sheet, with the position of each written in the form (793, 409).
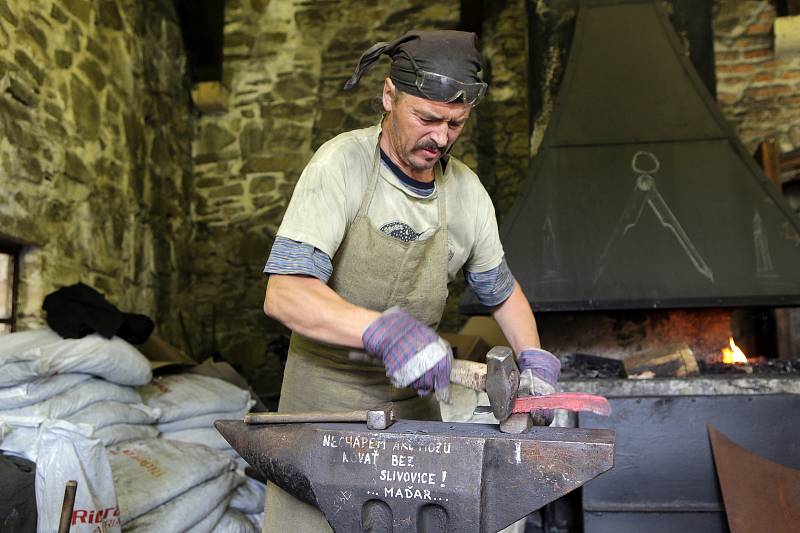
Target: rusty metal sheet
(759, 495)
(447, 476)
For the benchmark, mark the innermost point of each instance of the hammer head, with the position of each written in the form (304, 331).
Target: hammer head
(380, 417)
(502, 381)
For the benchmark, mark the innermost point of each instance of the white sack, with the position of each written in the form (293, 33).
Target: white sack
(249, 496)
(117, 433)
(24, 441)
(69, 402)
(38, 390)
(187, 395)
(43, 353)
(66, 454)
(106, 413)
(183, 512)
(148, 473)
(21, 441)
(205, 420)
(206, 436)
(234, 521)
(257, 519)
(207, 524)
(16, 373)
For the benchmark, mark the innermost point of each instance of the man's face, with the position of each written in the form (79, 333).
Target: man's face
(418, 132)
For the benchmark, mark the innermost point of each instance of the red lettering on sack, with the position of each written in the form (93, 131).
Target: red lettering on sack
(78, 514)
(92, 516)
(160, 386)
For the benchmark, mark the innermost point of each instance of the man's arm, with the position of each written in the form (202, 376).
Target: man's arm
(515, 318)
(308, 306)
(413, 354)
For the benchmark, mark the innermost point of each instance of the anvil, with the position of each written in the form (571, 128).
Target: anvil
(422, 476)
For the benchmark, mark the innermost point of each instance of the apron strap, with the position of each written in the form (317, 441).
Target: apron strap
(366, 200)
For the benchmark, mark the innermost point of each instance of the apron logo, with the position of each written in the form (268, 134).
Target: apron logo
(400, 231)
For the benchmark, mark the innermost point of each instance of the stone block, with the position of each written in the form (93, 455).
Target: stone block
(93, 72)
(57, 14)
(297, 86)
(22, 92)
(213, 138)
(98, 50)
(85, 107)
(35, 33)
(108, 15)
(7, 13)
(75, 168)
(264, 184)
(233, 190)
(209, 182)
(80, 9)
(251, 141)
(24, 61)
(22, 136)
(63, 58)
(55, 128)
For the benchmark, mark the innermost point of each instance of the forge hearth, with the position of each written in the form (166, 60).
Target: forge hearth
(622, 334)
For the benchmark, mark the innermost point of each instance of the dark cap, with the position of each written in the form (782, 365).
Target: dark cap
(447, 53)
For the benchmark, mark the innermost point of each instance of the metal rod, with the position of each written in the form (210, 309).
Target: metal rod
(66, 508)
(313, 416)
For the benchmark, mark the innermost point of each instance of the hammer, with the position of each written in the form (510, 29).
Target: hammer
(501, 379)
(380, 417)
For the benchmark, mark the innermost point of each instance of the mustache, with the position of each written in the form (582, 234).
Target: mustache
(429, 145)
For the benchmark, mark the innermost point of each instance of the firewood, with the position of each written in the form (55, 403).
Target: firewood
(666, 361)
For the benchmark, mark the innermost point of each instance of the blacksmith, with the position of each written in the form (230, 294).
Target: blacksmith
(381, 221)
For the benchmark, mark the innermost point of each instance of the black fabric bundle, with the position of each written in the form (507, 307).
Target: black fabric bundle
(79, 310)
(17, 494)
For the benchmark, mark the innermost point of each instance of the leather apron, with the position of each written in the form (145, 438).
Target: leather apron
(376, 271)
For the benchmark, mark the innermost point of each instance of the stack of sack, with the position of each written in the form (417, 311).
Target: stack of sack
(165, 485)
(89, 382)
(189, 404)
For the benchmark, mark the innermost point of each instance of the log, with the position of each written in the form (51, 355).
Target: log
(668, 361)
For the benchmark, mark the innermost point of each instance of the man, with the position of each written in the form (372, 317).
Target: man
(380, 222)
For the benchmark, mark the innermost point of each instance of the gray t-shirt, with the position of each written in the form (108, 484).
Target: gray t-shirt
(329, 192)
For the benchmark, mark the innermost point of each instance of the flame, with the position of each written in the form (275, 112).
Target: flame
(733, 354)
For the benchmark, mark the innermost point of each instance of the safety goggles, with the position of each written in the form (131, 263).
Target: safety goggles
(444, 88)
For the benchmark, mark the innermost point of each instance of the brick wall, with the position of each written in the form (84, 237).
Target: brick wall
(757, 92)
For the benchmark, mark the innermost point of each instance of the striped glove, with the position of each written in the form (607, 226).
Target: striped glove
(539, 373)
(413, 354)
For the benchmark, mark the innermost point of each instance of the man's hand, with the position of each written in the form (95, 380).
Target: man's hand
(539, 371)
(413, 354)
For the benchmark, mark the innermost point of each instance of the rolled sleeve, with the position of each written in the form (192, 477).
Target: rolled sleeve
(492, 287)
(293, 257)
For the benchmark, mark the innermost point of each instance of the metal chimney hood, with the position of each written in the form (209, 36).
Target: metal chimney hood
(641, 195)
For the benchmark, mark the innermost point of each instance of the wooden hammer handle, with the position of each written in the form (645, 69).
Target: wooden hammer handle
(469, 374)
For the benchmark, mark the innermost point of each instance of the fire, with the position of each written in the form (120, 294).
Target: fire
(733, 354)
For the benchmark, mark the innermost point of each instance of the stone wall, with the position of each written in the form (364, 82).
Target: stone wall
(758, 92)
(95, 161)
